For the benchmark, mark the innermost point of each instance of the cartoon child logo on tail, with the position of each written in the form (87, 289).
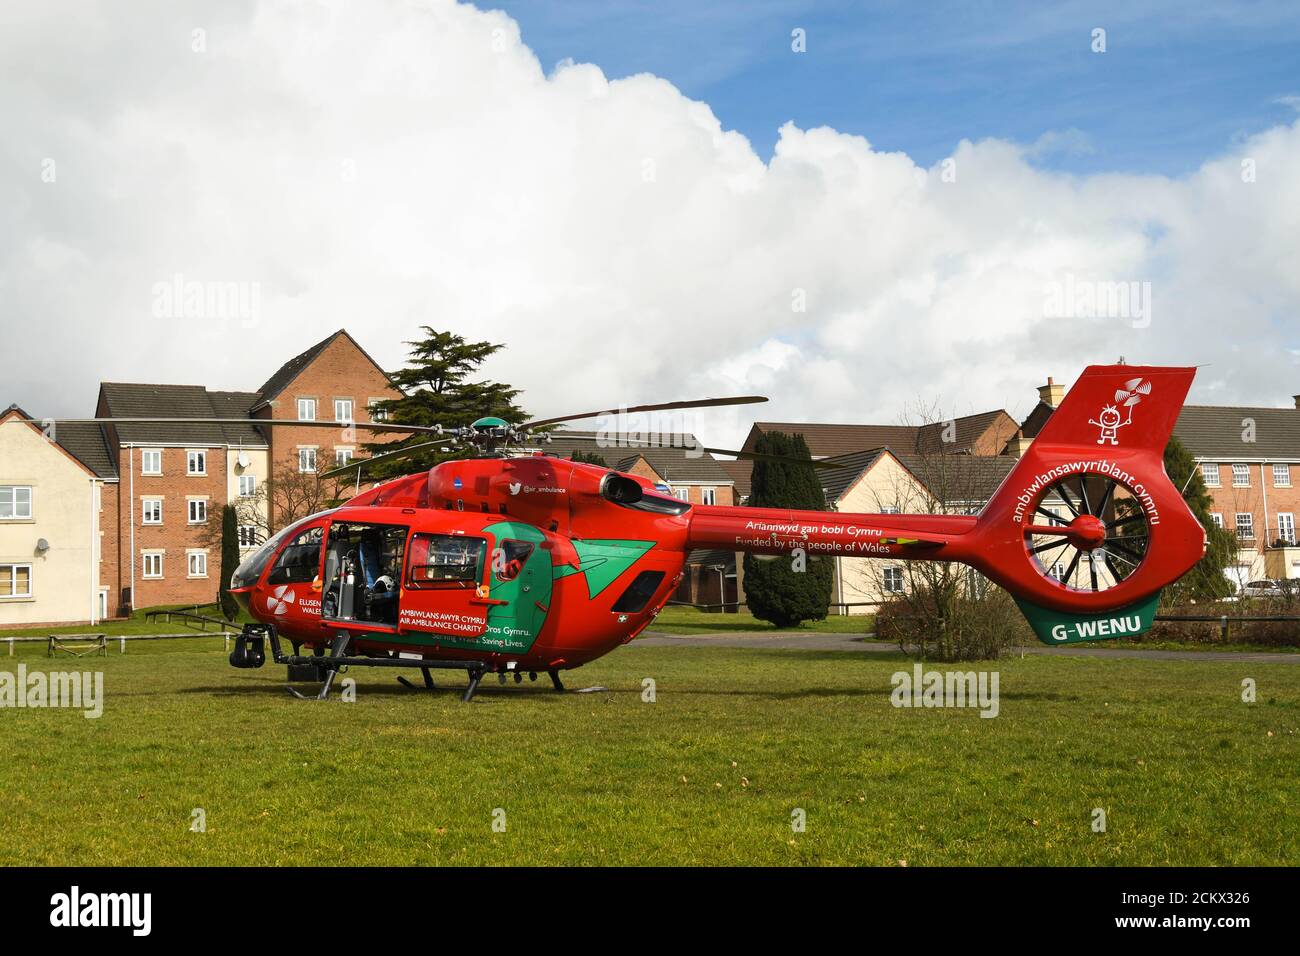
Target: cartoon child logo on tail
(1110, 420)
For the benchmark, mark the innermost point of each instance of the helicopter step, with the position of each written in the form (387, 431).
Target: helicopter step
(250, 652)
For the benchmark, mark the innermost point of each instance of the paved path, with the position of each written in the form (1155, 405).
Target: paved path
(799, 640)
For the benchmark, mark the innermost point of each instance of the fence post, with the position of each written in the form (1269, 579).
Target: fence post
(1223, 632)
(123, 643)
(11, 647)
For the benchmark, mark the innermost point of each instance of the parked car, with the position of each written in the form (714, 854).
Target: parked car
(1265, 588)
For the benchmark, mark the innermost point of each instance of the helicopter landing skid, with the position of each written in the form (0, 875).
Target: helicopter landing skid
(249, 642)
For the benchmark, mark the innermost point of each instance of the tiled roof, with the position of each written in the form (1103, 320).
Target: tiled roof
(960, 478)
(88, 443)
(741, 471)
(1220, 432)
(830, 440)
(129, 400)
(287, 372)
(836, 481)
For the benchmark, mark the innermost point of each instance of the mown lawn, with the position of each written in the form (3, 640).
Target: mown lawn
(708, 773)
(689, 620)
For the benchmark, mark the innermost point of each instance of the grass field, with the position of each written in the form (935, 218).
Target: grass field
(708, 773)
(689, 620)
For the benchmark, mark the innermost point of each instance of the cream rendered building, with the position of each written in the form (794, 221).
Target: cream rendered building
(50, 514)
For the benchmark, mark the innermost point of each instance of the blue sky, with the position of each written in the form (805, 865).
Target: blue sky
(1176, 85)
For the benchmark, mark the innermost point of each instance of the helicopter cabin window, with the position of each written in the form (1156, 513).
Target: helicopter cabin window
(299, 562)
(446, 561)
(638, 593)
(363, 563)
(508, 560)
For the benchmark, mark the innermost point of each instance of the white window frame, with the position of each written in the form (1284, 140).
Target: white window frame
(344, 456)
(307, 405)
(302, 469)
(151, 453)
(13, 567)
(708, 496)
(888, 584)
(682, 494)
(199, 455)
(1238, 526)
(1210, 474)
(376, 414)
(190, 509)
(201, 557)
(250, 492)
(1216, 518)
(146, 557)
(247, 532)
(342, 414)
(151, 504)
(14, 515)
(1282, 469)
(1287, 533)
(1240, 475)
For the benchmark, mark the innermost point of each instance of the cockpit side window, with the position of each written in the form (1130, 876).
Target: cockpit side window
(299, 562)
(509, 558)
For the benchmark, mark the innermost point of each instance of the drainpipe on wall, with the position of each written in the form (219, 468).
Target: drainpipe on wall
(130, 450)
(1263, 490)
(93, 536)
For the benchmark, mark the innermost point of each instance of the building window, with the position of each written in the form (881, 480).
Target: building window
(198, 564)
(196, 462)
(248, 535)
(1281, 475)
(153, 564)
(198, 511)
(1210, 473)
(15, 502)
(1217, 519)
(151, 461)
(343, 410)
(682, 494)
(151, 509)
(709, 496)
(306, 460)
(1245, 526)
(306, 409)
(1240, 476)
(247, 486)
(889, 509)
(893, 580)
(377, 414)
(1286, 527)
(342, 456)
(15, 581)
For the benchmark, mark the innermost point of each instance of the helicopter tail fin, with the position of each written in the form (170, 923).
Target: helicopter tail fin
(1104, 527)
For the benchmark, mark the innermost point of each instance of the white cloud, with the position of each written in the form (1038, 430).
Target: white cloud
(382, 166)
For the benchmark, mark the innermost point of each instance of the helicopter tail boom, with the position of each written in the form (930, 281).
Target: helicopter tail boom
(1083, 532)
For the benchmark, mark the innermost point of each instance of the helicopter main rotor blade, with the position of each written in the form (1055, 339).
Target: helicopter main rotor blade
(365, 426)
(764, 456)
(658, 407)
(409, 451)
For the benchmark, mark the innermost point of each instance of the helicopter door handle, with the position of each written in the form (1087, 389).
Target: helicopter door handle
(487, 601)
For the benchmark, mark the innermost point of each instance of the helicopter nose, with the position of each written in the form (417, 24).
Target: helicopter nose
(241, 598)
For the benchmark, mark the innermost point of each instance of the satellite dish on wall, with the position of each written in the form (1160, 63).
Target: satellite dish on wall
(242, 460)
(42, 546)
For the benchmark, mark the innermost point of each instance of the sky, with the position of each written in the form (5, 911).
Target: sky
(922, 214)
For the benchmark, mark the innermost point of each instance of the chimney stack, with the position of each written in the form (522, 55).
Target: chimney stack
(1051, 393)
(1296, 399)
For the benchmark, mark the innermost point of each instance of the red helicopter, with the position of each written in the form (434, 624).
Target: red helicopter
(532, 563)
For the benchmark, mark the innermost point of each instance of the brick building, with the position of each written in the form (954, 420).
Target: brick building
(161, 488)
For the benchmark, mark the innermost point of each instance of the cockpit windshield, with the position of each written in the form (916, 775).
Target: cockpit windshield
(251, 568)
